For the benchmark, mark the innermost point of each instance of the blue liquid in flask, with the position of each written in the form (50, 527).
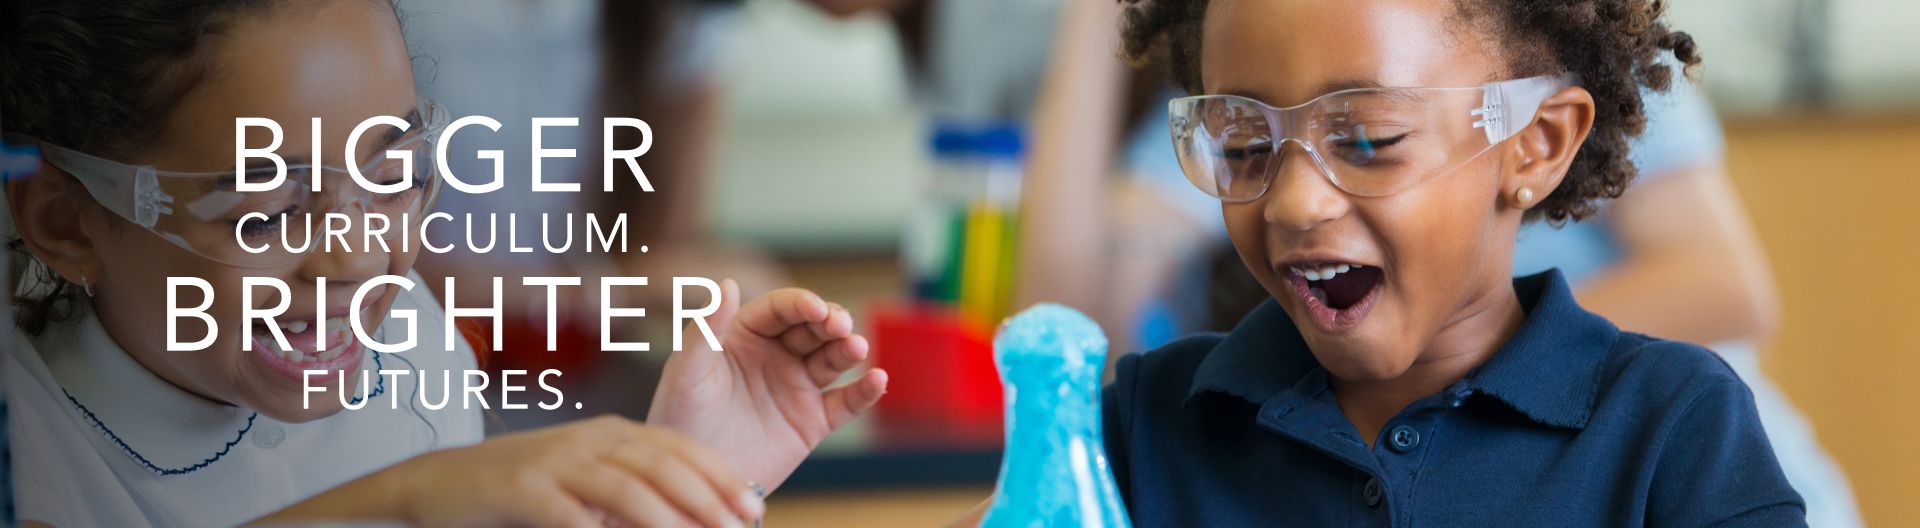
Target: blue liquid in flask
(1054, 472)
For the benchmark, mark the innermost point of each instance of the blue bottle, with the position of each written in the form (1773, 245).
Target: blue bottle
(1054, 472)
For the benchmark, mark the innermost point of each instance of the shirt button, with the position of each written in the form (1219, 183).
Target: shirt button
(269, 437)
(1372, 493)
(1403, 438)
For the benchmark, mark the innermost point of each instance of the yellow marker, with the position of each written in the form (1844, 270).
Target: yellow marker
(980, 262)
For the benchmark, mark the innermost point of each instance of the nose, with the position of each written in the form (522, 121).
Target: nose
(1302, 196)
(355, 262)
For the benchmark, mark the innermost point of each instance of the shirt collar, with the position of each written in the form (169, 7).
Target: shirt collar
(1549, 370)
(166, 425)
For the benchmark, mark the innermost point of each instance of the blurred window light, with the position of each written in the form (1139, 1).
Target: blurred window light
(1771, 56)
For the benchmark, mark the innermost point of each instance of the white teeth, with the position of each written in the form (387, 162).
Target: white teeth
(336, 339)
(1324, 272)
(1318, 294)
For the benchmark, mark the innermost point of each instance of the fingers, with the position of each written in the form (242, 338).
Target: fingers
(547, 503)
(844, 403)
(772, 314)
(693, 476)
(836, 358)
(729, 304)
(678, 484)
(623, 496)
(722, 476)
(839, 323)
(805, 339)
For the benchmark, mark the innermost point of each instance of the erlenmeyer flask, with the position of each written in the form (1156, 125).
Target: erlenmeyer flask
(1054, 472)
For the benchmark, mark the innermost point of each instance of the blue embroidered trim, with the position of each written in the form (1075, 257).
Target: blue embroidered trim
(380, 380)
(102, 427)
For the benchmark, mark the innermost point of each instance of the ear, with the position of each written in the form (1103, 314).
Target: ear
(1542, 152)
(57, 223)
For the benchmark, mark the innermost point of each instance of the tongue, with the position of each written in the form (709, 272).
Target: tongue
(1347, 289)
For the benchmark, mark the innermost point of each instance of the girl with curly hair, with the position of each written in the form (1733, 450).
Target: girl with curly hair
(1375, 160)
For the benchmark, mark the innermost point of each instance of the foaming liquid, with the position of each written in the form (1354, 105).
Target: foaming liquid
(1054, 471)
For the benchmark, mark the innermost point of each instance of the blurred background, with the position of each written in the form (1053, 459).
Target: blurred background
(905, 157)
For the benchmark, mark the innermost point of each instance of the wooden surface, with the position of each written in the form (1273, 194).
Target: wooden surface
(1837, 205)
(877, 509)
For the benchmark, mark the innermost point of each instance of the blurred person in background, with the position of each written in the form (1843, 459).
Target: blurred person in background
(515, 60)
(1673, 257)
(989, 61)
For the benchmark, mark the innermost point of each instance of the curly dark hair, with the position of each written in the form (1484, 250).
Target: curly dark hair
(1613, 46)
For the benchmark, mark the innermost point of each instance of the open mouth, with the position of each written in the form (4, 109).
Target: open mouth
(335, 351)
(1337, 295)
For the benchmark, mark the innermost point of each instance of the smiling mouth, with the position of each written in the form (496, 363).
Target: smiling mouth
(1336, 295)
(337, 351)
(1339, 286)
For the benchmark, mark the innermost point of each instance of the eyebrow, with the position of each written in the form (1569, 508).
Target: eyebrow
(1329, 87)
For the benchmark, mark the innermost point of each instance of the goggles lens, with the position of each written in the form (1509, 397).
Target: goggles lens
(212, 219)
(1368, 142)
(206, 214)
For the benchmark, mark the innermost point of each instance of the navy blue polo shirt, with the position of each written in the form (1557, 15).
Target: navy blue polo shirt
(1571, 423)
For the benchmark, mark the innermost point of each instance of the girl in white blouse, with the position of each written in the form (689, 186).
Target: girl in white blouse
(109, 428)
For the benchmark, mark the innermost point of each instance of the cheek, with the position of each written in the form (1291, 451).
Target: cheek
(1437, 235)
(1243, 224)
(141, 266)
(1248, 231)
(401, 263)
(134, 304)
(136, 266)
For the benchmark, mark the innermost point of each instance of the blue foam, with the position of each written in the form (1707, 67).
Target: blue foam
(1054, 471)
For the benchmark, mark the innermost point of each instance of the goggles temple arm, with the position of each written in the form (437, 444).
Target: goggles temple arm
(1508, 106)
(131, 192)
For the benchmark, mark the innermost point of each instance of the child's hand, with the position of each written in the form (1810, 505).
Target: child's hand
(604, 471)
(765, 402)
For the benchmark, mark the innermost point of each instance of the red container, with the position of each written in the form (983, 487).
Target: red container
(942, 385)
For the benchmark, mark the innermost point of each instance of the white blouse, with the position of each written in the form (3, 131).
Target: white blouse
(83, 414)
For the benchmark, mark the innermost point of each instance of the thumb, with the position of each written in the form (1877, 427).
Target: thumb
(722, 317)
(696, 362)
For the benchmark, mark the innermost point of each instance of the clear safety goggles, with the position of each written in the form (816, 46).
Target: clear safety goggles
(205, 213)
(1367, 141)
